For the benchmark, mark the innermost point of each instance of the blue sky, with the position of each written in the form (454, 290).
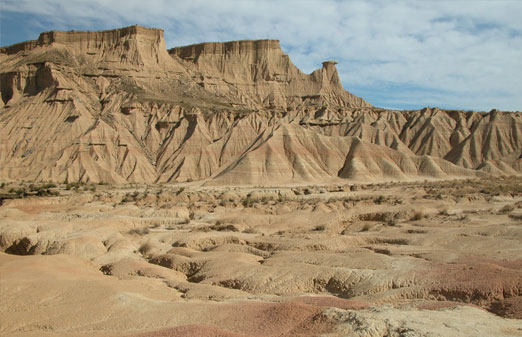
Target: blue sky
(400, 54)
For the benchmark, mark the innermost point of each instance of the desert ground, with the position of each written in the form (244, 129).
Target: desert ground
(216, 190)
(420, 258)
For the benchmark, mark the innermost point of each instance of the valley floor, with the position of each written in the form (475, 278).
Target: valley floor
(438, 258)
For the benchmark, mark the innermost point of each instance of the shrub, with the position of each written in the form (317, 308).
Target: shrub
(139, 231)
(247, 202)
(417, 216)
(75, 185)
(250, 230)
(444, 211)
(392, 222)
(379, 200)
(145, 248)
(507, 208)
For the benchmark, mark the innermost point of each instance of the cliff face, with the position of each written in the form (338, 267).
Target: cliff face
(133, 45)
(114, 106)
(260, 72)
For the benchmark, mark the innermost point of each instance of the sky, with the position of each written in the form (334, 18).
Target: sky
(394, 54)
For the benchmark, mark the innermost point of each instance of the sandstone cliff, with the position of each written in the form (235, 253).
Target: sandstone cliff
(115, 106)
(260, 72)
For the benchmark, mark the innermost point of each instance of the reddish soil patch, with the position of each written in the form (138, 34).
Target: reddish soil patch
(330, 301)
(287, 319)
(191, 331)
(509, 307)
(281, 319)
(491, 284)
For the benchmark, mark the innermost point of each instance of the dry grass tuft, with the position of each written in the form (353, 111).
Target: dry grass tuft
(145, 248)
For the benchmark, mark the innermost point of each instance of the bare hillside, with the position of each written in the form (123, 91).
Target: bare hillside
(116, 106)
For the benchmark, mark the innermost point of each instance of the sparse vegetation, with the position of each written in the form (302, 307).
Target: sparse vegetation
(392, 222)
(462, 217)
(74, 185)
(444, 211)
(139, 231)
(250, 230)
(319, 228)
(20, 192)
(130, 197)
(247, 202)
(145, 248)
(185, 221)
(379, 200)
(507, 209)
(418, 216)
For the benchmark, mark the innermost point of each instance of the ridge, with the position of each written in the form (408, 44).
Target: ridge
(84, 38)
(234, 65)
(187, 52)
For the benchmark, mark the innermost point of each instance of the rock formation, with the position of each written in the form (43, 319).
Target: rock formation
(116, 106)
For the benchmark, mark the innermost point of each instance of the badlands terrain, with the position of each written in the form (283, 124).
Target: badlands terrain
(216, 190)
(439, 258)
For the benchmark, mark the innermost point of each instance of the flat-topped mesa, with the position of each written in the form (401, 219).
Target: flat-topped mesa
(97, 39)
(193, 52)
(18, 47)
(261, 70)
(238, 62)
(131, 45)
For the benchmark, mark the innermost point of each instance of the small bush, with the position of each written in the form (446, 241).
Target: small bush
(250, 230)
(139, 231)
(444, 212)
(247, 202)
(319, 228)
(130, 197)
(75, 185)
(145, 248)
(507, 209)
(20, 192)
(379, 200)
(392, 222)
(417, 216)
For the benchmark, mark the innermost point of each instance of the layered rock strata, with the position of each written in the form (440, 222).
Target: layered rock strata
(116, 106)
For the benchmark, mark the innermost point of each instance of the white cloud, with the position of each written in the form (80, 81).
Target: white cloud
(465, 53)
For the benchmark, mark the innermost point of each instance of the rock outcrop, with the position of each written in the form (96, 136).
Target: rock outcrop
(116, 106)
(262, 73)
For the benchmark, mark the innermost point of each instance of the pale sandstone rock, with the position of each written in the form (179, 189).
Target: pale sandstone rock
(116, 106)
